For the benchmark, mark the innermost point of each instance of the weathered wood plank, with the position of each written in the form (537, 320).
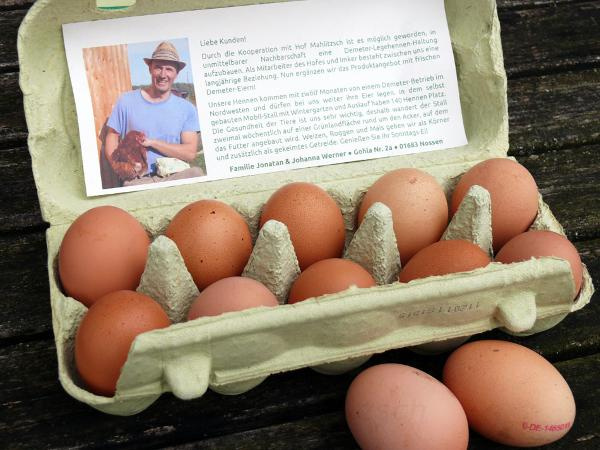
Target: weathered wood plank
(9, 24)
(15, 4)
(330, 430)
(25, 299)
(541, 40)
(554, 133)
(36, 393)
(302, 407)
(568, 181)
(553, 111)
(325, 431)
(19, 204)
(12, 100)
(527, 4)
(13, 129)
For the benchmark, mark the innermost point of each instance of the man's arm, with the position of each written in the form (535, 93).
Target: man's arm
(185, 151)
(111, 142)
(124, 170)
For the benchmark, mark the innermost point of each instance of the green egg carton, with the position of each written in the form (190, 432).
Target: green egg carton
(234, 352)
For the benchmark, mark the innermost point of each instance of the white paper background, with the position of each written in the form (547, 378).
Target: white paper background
(277, 25)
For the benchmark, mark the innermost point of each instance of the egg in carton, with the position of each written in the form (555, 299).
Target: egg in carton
(234, 352)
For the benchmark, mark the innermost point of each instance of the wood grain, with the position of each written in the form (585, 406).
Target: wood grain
(550, 39)
(26, 300)
(6, 5)
(9, 24)
(568, 181)
(555, 111)
(330, 430)
(552, 57)
(13, 129)
(529, 4)
(300, 406)
(19, 206)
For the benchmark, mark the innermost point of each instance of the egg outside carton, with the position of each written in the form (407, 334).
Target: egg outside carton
(236, 351)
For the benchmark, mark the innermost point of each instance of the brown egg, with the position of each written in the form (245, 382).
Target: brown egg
(538, 243)
(327, 277)
(313, 219)
(444, 257)
(393, 406)
(418, 204)
(513, 192)
(510, 394)
(106, 333)
(104, 250)
(231, 294)
(214, 240)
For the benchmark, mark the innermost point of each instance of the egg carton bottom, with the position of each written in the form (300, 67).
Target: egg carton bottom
(187, 358)
(236, 351)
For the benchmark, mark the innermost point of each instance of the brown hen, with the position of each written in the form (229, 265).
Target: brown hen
(129, 160)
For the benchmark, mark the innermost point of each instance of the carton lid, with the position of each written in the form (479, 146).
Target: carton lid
(54, 142)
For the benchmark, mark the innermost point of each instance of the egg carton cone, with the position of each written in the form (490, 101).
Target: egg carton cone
(234, 352)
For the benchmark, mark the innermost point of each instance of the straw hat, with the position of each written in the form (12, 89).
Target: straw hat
(165, 51)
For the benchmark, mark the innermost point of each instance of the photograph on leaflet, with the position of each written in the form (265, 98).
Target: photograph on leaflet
(145, 114)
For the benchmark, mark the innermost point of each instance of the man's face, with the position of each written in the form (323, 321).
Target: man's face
(163, 75)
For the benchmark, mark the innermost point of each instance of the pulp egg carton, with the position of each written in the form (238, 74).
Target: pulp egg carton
(234, 352)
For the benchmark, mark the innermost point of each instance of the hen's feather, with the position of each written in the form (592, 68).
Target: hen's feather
(129, 160)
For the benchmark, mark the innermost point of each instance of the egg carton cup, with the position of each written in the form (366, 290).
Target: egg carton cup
(233, 352)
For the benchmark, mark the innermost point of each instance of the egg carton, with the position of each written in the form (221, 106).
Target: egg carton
(234, 352)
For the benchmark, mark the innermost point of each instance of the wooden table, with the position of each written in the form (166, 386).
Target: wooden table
(552, 57)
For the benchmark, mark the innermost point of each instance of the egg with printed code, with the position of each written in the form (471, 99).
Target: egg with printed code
(510, 394)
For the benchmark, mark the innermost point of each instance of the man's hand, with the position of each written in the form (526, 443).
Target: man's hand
(186, 151)
(148, 142)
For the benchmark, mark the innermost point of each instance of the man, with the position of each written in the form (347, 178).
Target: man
(170, 123)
